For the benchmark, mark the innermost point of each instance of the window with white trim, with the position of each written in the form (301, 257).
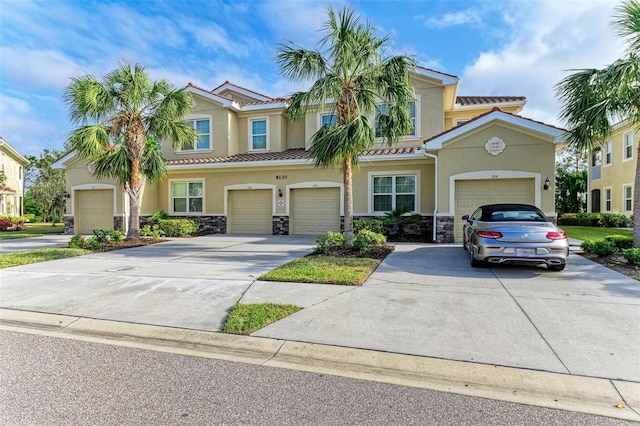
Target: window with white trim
(607, 152)
(596, 158)
(394, 192)
(258, 134)
(382, 109)
(203, 128)
(628, 198)
(628, 145)
(187, 197)
(607, 199)
(330, 119)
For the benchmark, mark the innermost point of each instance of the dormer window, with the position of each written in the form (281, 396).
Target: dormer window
(382, 109)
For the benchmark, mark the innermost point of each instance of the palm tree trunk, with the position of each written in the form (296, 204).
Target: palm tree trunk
(636, 203)
(135, 195)
(347, 178)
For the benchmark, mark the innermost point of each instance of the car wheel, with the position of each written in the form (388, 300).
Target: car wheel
(556, 267)
(475, 263)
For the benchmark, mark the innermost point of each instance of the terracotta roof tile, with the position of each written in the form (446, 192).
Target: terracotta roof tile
(240, 87)
(483, 100)
(290, 154)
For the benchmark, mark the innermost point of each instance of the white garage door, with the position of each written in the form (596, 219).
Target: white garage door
(471, 194)
(250, 211)
(94, 210)
(315, 211)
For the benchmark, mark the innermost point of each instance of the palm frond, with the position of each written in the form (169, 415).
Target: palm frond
(90, 141)
(298, 64)
(113, 164)
(627, 24)
(331, 145)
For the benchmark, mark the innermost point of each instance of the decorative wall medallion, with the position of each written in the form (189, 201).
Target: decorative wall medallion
(495, 145)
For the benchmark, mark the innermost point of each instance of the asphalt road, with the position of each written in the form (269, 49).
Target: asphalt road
(45, 381)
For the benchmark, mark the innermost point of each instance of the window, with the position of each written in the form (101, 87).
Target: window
(203, 127)
(187, 197)
(628, 198)
(382, 109)
(596, 158)
(607, 199)
(460, 122)
(258, 129)
(607, 153)
(628, 146)
(394, 192)
(330, 119)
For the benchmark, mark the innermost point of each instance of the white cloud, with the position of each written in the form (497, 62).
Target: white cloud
(554, 37)
(469, 16)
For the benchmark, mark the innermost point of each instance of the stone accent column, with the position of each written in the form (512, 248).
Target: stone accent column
(444, 230)
(280, 225)
(68, 225)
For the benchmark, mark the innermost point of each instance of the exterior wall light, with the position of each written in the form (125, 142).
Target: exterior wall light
(547, 183)
(279, 192)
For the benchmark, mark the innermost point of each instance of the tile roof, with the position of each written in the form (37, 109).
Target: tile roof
(240, 87)
(290, 154)
(483, 100)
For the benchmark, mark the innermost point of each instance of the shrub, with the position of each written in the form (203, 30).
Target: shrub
(599, 248)
(158, 215)
(153, 232)
(365, 239)
(5, 223)
(322, 244)
(106, 236)
(19, 221)
(632, 255)
(373, 225)
(92, 243)
(621, 242)
(337, 239)
(177, 227)
(575, 221)
(613, 220)
(77, 241)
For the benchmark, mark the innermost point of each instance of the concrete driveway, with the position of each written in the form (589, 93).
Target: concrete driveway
(423, 300)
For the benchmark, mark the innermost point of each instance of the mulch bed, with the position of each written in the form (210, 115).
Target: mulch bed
(130, 243)
(377, 252)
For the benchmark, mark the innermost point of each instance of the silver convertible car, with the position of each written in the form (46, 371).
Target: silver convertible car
(514, 233)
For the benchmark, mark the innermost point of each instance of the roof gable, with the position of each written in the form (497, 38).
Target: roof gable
(495, 115)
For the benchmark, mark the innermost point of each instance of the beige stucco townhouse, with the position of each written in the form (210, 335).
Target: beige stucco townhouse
(250, 171)
(12, 164)
(612, 171)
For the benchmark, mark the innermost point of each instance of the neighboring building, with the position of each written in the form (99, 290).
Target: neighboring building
(12, 164)
(612, 171)
(250, 171)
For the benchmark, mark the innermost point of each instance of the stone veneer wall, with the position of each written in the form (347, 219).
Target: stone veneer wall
(280, 225)
(421, 230)
(68, 225)
(444, 229)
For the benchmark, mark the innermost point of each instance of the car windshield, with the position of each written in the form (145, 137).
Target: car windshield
(512, 215)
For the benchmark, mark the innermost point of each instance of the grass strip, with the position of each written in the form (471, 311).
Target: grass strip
(40, 255)
(32, 230)
(594, 233)
(245, 319)
(324, 270)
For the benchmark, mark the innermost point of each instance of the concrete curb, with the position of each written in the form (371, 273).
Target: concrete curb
(552, 390)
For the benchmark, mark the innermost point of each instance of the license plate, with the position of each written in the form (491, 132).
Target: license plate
(525, 252)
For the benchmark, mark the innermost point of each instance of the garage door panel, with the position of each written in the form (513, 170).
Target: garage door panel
(315, 211)
(472, 194)
(94, 210)
(250, 211)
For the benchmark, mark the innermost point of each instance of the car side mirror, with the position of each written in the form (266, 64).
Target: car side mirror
(465, 217)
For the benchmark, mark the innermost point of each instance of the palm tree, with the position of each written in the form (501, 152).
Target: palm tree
(121, 119)
(352, 74)
(592, 98)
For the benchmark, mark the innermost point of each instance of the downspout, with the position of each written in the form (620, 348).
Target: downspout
(435, 210)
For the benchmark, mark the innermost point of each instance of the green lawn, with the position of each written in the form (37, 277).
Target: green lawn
(39, 255)
(594, 233)
(324, 270)
(245, 319)
(33, 230)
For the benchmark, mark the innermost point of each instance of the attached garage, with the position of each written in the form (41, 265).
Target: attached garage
(315, 211)
(471, 194)
(250, 211)
(94, 210)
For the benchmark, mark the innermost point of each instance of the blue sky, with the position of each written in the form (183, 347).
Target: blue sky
(496, 47)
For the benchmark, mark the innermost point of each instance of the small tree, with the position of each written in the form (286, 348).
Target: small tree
(571, 183)
(122, 117)
(46, 185)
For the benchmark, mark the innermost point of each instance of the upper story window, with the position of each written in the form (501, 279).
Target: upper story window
(330, 119)
(596, 158)
(460, 122)
(203, 127)
(628, 146)
(607, 153)
(382, 109)
(3, 159)
(187, 197)
(258, 134)
(394, 192)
